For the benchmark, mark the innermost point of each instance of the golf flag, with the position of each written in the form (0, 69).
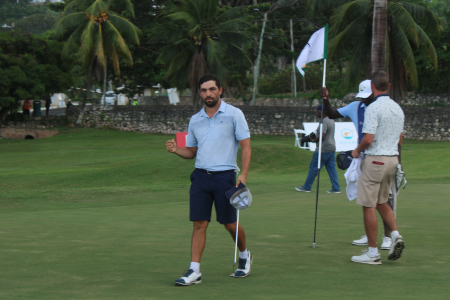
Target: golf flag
(315, 49)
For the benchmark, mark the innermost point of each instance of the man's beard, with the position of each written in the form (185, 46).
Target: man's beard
(211, 104)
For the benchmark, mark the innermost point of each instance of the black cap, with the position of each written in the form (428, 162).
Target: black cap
(233, 190)
(344, 159)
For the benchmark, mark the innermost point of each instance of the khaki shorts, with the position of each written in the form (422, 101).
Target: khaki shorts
(375, 180)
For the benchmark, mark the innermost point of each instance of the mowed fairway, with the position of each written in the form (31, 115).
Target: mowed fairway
(99, 214)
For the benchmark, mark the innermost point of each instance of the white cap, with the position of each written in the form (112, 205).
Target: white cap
(364, 89)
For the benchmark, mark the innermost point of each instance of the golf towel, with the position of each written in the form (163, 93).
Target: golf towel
(351, 176)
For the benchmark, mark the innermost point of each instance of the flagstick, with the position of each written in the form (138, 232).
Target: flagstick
(319, 154)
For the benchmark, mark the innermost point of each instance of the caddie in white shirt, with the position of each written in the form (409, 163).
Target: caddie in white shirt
(383, 127)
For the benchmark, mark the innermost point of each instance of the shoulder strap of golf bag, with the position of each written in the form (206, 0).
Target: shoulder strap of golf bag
(360, 120)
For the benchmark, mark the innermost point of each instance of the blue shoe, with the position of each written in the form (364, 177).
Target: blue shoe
(189, 278)
(244, 266)
(301, 189)
(333, 192)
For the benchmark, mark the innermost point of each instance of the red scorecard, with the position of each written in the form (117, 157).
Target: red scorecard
(181, 138)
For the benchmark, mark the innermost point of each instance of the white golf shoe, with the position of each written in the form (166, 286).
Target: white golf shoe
(244, 266)
(367, 258)
(396, 248)
(189, 278)
(362, 241)
(387, 242)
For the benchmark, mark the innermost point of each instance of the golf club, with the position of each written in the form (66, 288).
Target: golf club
(235, 245)
(240, 198)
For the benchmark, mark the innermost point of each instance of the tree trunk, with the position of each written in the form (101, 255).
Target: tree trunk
(104, 85)
(379, 31)
(258, 59)
(281, 62)
(88, 84)
(3, 114)
(198, 69)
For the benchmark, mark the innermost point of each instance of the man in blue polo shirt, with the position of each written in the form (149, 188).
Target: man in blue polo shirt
(355, 111)
(214, 135)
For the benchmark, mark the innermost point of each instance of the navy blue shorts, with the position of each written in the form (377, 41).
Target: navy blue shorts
(208, 188)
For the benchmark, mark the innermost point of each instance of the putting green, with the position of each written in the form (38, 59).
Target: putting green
(99, 214)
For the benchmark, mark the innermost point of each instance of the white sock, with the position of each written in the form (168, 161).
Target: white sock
(195, 266)
(394, 234)
(373, 251)
(244, 254)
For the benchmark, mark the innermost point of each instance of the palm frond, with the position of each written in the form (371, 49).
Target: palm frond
(425, 44)
(358, 63)
(232, 25)
(97, 8)
(184, 16)
(234, 38)
(191, 12)
(404, 20)
(180, 61)
(346, 37)
(115, 61)
(73, 39)
(128, 30)
(170, 51)
(220, 70)
(414, 32)
(87, 41)
(214, 51)
(348, 12)
(211, 7)
(234, 13)
(69, 23)
(70, 8)
(239, 54)
(196, 7)
(403, 52)
(424, 16)
(123, 5)
(99, 47)
(115, 39)
(317, 6)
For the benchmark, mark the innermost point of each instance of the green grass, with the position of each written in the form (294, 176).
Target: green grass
(99, 214)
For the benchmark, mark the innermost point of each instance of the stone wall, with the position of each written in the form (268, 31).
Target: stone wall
(411, 99)
(427, 123)
(10, 133)
(424, 123)
(37, 123)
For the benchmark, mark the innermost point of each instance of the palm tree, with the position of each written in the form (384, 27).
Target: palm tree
(99, 33)
(197, 37)
(407, 25)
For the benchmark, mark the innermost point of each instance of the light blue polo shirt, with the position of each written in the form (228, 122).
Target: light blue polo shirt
(351, 111)
(218, 138)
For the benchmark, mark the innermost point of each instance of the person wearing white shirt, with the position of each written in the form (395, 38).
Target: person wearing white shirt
(383, 127)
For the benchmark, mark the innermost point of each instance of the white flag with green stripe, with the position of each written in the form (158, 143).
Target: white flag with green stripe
(315, 49)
